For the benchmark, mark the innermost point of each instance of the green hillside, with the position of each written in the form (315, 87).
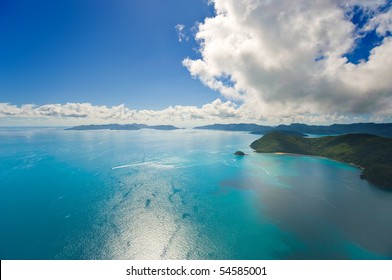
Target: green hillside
(371, 152)
(380, 129)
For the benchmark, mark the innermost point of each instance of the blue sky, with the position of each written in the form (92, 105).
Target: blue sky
(68, 62)
(367, 40)
(102, 52)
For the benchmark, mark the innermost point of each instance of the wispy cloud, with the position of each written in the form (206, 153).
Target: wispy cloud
(286, 59)
(180, 28)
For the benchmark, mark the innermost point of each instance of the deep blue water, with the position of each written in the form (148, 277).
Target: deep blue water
(180, 195)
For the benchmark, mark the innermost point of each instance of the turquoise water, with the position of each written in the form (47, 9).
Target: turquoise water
(180, 195)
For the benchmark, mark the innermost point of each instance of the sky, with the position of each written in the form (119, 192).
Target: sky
(187, 63)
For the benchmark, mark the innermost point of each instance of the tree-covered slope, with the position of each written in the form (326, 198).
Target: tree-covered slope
(371, 152)
(380, 129)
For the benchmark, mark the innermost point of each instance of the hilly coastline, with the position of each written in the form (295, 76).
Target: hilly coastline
(380, 129)
(371, 152)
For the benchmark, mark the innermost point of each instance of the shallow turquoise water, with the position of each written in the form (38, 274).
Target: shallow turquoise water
(180, 195)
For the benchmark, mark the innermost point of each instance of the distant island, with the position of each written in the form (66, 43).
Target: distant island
(237, 127)
(133, 126)
(370, 152)
(380, 129)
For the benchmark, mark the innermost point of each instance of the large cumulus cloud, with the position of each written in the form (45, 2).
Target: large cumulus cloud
(287, 59)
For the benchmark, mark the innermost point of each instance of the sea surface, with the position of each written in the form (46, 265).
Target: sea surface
(180, 195)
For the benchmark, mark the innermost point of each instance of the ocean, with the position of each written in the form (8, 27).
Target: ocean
(180, 194)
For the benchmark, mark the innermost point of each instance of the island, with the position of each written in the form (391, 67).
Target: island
(239, 153)
(370, 152)
(380, 129)
(250, 127)
(115, 126)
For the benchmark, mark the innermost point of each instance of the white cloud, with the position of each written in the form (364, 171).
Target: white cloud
(180, 28)
(285, 59)
(185, 116)
(85, 113)
(381, 22)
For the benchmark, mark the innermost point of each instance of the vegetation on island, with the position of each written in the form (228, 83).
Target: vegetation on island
(380, 129)
(370, 152)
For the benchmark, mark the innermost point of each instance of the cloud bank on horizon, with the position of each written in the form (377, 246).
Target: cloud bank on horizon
(274, 62)
(86, 113)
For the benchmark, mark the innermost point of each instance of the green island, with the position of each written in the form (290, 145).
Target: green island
(370, 152)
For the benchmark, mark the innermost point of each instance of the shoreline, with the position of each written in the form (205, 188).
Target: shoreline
(295, 154)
